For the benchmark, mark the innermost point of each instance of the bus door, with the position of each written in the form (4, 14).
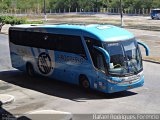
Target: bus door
(98, 60)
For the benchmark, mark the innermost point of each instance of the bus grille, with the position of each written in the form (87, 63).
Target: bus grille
(130, 80)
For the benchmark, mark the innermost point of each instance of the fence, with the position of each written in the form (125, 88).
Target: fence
(77, 10)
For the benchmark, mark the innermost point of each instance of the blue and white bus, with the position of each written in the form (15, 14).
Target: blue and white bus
(155, 13)
(102, 57)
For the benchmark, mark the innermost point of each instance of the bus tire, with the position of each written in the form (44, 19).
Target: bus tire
(30, 70)
(84, 82)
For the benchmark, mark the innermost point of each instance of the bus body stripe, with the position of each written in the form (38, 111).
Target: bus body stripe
(39, 50)
(33, 52)
(46, 51)
(42, 50)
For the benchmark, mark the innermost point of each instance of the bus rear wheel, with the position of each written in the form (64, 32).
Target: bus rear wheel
(84, 83)
(30, 70)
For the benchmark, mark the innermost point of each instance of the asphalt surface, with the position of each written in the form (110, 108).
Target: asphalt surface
(42, 93)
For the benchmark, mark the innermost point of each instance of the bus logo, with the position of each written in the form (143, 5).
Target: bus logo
(44, 63)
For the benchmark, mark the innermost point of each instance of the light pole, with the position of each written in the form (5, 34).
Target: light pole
(45, 16)
(121, 9)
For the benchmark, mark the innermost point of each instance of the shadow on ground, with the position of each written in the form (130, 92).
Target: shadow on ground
(57, 88)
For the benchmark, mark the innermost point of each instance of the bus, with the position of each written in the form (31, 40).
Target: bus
(155, 13)
(95, 56)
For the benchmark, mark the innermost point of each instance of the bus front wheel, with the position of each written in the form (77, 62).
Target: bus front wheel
(30, 70)
(84, 83)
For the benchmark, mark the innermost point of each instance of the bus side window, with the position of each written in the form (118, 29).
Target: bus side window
(57, 42)
(71, 44)
(97, 57)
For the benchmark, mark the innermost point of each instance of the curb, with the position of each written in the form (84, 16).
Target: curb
(3, 33)
(5, 98)
(151, 61)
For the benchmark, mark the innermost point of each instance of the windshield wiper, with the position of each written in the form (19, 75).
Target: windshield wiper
(136, 69)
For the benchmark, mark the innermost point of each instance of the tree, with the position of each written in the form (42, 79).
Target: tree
(156, 4)
(11, 20)
(87, 5)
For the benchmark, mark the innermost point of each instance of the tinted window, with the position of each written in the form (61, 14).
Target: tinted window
(94, 53)
(65, 43)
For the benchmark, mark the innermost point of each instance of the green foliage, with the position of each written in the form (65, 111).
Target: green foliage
(12, 20)
(156, 3)
(15, 21)
(34, 22)
(87, 5)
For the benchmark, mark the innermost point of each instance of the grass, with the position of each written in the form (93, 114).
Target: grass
(57, 16)
(34, 22)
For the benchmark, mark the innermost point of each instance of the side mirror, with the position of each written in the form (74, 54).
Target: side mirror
(105, 53)
(145, 46)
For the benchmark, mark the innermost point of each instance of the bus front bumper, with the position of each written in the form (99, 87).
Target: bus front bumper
(111, 88)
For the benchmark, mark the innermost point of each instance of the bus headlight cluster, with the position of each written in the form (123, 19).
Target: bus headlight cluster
(121, 80)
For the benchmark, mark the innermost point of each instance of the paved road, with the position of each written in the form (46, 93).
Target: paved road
(42, 93)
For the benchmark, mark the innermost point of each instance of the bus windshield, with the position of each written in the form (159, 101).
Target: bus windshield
(155, 11)
(125, 57)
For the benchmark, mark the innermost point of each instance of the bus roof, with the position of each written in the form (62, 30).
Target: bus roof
(98, 31)
(156, 9)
